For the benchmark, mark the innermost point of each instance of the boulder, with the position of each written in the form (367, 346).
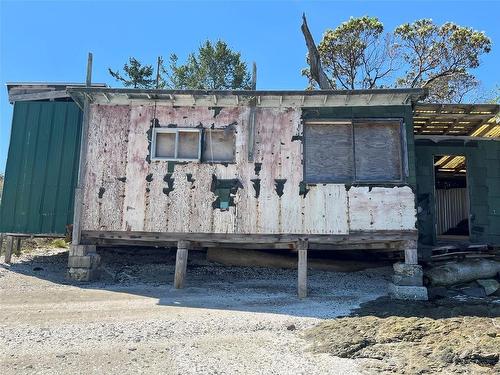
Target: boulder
(490, 286)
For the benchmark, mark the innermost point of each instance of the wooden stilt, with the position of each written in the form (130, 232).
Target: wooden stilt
(1, 242)
(411, 252)
(18, 246)
(302, 268)
(8, 250)
(181, 264)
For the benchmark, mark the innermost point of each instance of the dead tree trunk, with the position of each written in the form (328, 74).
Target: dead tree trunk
(316, 70)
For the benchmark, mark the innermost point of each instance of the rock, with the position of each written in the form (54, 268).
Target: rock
(414, 293)
(490, 286)
(472, 291)
(441, 292)
(291, 327)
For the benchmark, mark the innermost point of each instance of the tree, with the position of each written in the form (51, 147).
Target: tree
(213, 67)
(440, 58)
(136, 75)
(359, 55)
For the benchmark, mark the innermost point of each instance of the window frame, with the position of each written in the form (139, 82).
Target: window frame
(403, 152)
(206, 133)
(175, 131)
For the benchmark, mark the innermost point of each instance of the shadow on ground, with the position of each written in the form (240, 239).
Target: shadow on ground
(266, 290)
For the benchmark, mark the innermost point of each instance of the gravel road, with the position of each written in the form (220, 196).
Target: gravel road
(226, 321)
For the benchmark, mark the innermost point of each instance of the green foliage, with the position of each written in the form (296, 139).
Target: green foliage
(135, 75)
(354, 54)
(213, 67)
(440, 57)
(359, 54)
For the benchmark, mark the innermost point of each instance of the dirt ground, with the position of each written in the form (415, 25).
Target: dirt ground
(229, 320)
(226, 321)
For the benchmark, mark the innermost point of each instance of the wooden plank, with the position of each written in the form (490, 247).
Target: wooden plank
(181, 264)
(39, 96)
(302, 247)
(77, 213)
(328, 153)
(152, 237)
(18, 246)
(411, 252)
(8, 250)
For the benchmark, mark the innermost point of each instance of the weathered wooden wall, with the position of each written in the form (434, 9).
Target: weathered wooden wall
(126, 191)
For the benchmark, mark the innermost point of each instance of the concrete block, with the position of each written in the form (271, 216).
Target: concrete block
(81, 250)
(407, 280)
(413, 293)
(80, 262)
(84, 274)
(404, 269)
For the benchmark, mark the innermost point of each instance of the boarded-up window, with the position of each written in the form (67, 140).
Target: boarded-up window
(377, 150)
(218, 145)
(176, 144)
(328, 152)
(332, 154)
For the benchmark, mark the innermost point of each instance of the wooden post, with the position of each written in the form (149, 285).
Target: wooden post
(181, 264)
(411, 252)
(83, 159)
(18, 246)
(302, 268)
(8, 250)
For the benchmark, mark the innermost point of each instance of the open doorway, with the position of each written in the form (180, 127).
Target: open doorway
(451, 197)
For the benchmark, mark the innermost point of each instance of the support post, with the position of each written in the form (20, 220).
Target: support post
(83, 263)
(8, 250)
(411, 252)
(302, 246)
(181, 264)
(407, 281)
(18, 246)
(1, 242)
(83, 160)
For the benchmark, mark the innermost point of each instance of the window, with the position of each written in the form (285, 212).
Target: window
(176, 144)
(353, 151)
(218, 145)
(328, 152)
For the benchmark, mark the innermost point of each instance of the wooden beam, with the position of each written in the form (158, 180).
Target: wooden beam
(181, 264)
(466, 138)
(77, 215)
(411, 252)
(302, 247)
(235, 238)
(8, 250)
(18, 246)
(39, 96)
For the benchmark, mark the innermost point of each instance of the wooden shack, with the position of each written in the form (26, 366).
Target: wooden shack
(274, 169)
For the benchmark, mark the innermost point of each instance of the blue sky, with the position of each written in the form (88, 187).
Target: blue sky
(49, 41)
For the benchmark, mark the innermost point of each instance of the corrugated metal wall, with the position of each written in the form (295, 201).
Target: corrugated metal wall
(42, 168)
(451, 208)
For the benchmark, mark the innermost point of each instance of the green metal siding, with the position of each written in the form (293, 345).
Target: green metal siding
(483, 178)
(42, 168)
